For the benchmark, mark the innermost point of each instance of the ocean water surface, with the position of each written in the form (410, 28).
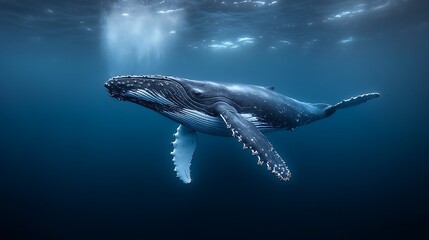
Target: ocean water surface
(78, 164)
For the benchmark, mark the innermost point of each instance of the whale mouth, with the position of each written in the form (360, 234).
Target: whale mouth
(154, 91)
(118, 87)
(114, 90)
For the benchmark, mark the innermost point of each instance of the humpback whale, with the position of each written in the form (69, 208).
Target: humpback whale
(242, 111)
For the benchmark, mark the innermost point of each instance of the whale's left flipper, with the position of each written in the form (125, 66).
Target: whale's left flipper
(184, 147)
(252, 138)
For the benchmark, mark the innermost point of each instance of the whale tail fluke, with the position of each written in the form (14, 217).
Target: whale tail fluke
(351, 102)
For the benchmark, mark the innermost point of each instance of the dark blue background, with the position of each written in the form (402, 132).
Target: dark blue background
(75, 163)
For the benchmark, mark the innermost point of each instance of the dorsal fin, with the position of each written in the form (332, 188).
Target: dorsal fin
(269, 88)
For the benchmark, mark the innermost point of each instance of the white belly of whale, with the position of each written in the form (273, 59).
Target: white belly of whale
(211, 124)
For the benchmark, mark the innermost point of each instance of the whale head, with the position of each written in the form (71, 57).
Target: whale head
(163, 93)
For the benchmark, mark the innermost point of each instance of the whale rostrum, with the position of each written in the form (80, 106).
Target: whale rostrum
(242, 111)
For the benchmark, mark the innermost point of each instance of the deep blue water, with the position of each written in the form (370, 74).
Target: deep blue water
(76, 163)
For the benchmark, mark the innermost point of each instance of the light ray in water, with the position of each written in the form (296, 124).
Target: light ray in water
(133, 32)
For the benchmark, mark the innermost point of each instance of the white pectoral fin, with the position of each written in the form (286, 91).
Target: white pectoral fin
(248, 134)
(184, 147)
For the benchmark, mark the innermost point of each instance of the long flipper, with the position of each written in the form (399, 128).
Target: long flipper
(184, 147)
(252, 138)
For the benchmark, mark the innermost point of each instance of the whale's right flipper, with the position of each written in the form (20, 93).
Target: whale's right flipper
(184, 147)
(252, 138)
(351, 102)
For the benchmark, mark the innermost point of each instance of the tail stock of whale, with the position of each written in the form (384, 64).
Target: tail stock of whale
(330, 109)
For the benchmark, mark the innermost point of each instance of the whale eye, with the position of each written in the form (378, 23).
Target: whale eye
(197, 92)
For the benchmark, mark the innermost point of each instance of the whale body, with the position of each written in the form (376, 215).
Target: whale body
(242, 111)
